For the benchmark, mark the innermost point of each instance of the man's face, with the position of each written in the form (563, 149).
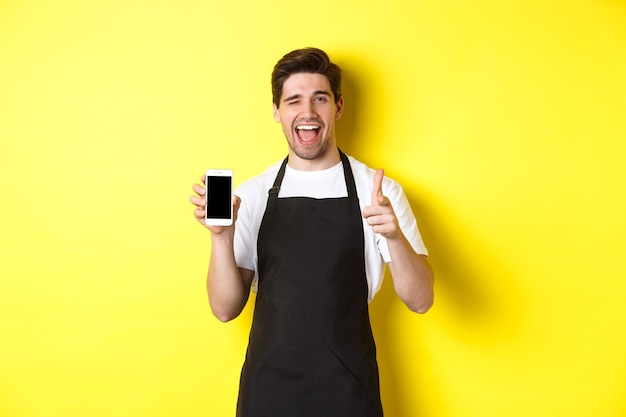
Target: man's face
(307, 113)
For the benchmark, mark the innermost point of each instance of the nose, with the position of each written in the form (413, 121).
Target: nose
(307, 110)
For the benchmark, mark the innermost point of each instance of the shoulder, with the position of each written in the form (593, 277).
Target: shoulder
(260, 183)
(364, 178)
(253, 192)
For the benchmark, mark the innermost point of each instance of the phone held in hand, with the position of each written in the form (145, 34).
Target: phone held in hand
(219, 194)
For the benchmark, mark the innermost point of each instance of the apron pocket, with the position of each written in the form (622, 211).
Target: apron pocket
(304, 381)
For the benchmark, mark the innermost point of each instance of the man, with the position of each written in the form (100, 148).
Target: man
(311, 237)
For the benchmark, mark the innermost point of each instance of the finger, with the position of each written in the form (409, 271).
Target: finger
(197, 201)
(377, 191)
(199, 189)
(199, 213)
(236, 204)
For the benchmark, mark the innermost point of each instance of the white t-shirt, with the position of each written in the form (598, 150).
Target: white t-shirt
(328, 183)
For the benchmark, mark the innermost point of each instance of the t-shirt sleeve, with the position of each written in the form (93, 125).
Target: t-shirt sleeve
(245, 242)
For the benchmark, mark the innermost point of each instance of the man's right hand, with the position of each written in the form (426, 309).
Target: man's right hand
(199, 200)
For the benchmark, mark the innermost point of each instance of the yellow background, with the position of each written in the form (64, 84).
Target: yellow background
(504, 120)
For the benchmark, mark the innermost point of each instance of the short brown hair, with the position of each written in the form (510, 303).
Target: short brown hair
(311, 60)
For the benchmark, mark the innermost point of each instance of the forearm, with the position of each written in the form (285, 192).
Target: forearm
(412, 276)
(228, 287)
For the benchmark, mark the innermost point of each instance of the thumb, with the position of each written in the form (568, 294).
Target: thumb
(236, 205)
(377, 191)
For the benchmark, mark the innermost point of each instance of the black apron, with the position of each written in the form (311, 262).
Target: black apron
(311, 351)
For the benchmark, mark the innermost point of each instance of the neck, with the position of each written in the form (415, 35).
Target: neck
(328, 160)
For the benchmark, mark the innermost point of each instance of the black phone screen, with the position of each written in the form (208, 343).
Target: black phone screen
(219, 200)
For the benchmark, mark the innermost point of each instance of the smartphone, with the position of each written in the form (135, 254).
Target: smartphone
(219, 195)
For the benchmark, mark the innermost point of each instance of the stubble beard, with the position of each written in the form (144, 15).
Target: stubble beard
(310, 153)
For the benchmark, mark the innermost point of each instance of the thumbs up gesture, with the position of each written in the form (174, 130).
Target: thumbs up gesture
(380, 214)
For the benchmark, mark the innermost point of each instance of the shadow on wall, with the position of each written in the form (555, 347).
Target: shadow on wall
(473, 296)
(390, 366)
(469, 302)
(406, 400)
(468, 294)
(346, 129)
(476, 287)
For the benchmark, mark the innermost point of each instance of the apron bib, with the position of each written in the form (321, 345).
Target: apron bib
(311, 351)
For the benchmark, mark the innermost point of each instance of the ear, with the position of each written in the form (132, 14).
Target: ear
(276, 113)
(339, 110)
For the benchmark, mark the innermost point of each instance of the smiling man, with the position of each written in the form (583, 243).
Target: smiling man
(307, 111)
(312, 236)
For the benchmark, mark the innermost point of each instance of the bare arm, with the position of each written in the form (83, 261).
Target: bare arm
(412, 276)
(228, 286)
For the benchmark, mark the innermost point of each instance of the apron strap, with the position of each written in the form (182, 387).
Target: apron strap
(273, 192)
(347, 173)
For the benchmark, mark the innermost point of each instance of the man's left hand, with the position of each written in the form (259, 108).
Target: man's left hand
(380, 214)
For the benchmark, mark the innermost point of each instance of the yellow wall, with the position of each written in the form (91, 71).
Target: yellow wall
(505, 121)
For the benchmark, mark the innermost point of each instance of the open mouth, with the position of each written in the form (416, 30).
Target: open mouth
(308, 133)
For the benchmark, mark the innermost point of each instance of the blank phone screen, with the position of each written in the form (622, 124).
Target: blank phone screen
(219, 200)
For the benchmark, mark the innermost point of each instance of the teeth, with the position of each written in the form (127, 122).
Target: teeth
(307, 127)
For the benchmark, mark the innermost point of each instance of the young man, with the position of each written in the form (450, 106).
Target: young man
(311, 237)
